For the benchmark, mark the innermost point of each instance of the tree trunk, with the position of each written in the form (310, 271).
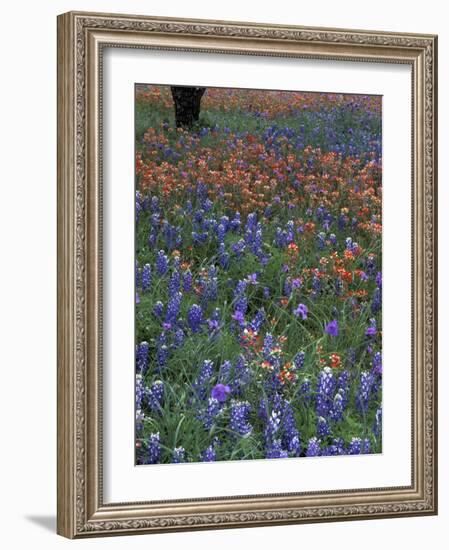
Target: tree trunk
(187, 102)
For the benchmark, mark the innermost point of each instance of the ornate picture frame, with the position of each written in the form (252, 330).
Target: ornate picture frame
(82, 38)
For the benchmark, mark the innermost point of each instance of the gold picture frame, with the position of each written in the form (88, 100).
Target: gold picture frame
(81, 39)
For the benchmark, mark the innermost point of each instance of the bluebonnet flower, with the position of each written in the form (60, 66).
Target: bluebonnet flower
(376, 303)
(242, 376)
(274, 450)
(239, 418)
(377, 427)
(158, 308)
(179, 455)
(161, 263)
(202, 382)
(209, 455)
(359, 446)
(335, 448)
(313, 447)
(287, 287)
(139, 419)
(302, 311)
(322, 428)
(209, 415)
(290, 436)
(338, 286)
(235, 223)
(273, 424)
(142, 351)
(162, 352)
(156, 396)
(220, 392)
(225, 372)
(325, 391)
(321, 241)
(137, 274)
(174, 284)
(364, 391)
(187, 281)
(195, 318)
(379, 279)
(268, 345)
(305, 390)
(377, 363)
(146, 277)
(332, 328)
(137, 298)
(173, 307)
(223, 257)
(239, 248)
(153, 448)
(178, 338)
(141, 392)
(258, 320)
(266, 292)
(298, 360)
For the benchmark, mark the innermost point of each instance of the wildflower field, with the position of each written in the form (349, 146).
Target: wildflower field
(258, 276)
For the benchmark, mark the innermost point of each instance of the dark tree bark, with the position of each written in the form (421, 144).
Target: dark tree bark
(187, 102)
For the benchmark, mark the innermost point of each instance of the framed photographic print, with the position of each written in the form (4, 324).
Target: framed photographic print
(246, 274)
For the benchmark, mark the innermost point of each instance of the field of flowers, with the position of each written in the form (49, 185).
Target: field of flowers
(258, 277)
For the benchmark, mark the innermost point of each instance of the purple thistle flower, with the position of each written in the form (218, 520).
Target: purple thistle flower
(371, 331)
(153, 448)
(195, 318)
(239, 317)
(179, 455)
(332, 328)
(313, 447)
(220, 392)
(238, 419)
(302, 311)
(296, 283)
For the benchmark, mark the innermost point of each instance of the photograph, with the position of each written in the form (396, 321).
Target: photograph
(258, 274)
